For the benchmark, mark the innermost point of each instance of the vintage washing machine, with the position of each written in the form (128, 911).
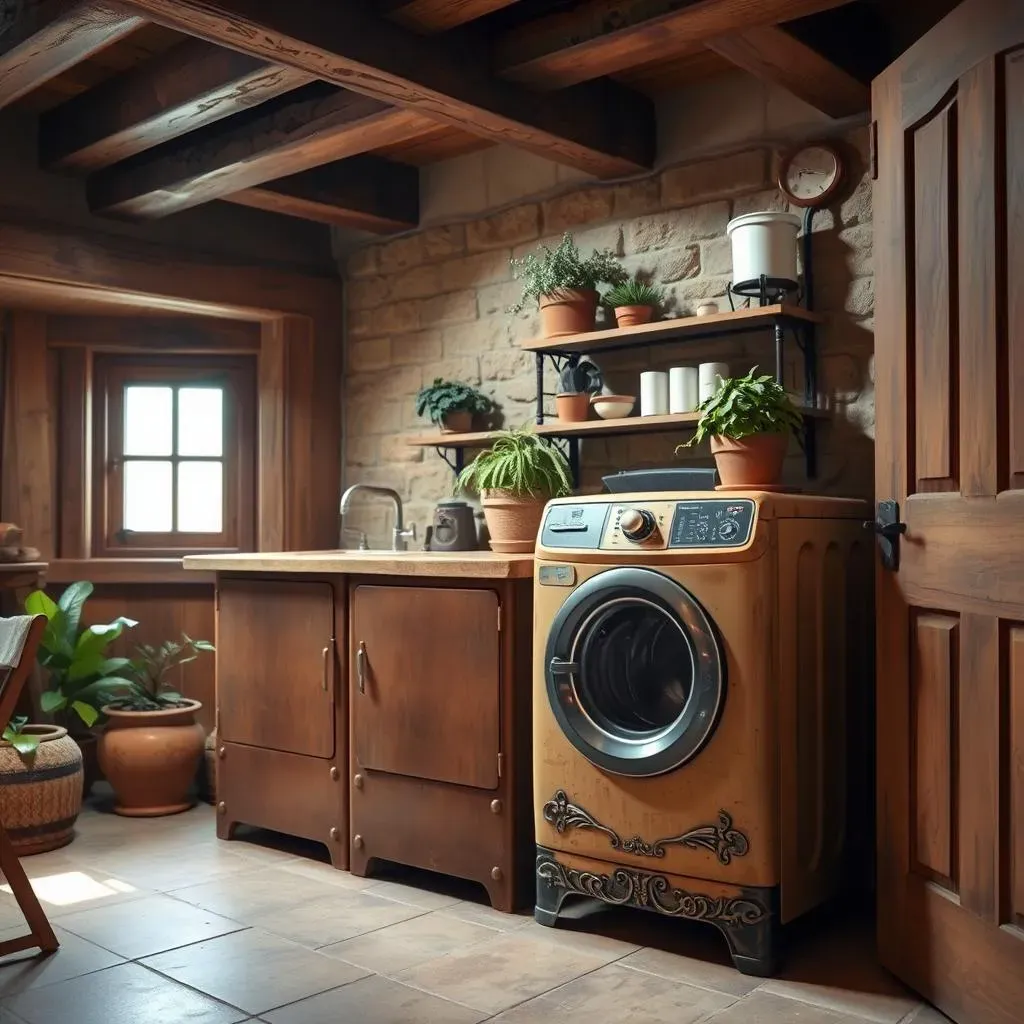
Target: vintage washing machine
(702, 673)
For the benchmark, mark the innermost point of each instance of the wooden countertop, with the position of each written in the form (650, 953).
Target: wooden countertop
(468, 564)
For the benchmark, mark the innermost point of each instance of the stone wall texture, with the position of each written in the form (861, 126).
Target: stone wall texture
(434, 304)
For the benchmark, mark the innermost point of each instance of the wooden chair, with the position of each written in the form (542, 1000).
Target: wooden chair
(41, 933)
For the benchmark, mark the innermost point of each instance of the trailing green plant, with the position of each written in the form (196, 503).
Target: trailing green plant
(579, 377)
(634, 292)
(80, 673)
(442, 397)
(743, 406)
(521, 463)
(548, 271)
(147, 688)
(25, 743)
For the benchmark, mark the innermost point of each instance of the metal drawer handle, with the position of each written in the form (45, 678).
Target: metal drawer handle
(325, 656)
(361, 666)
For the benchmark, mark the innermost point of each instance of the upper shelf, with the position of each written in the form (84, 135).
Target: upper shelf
(717, 324)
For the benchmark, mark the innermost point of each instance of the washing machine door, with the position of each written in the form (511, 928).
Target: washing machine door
(635, 674)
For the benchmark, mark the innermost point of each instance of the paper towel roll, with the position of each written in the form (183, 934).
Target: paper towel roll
(653, 393)
(709, 378)
(683, 388)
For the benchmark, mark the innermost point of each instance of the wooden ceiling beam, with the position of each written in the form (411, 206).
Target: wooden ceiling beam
(776, 56)
(191, 85)
(365, 193)
(40, 39)
(429, 16)
(605, 37)
(349, 45)
(312, 126)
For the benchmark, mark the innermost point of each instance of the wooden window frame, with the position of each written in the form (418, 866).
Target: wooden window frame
(237, 376)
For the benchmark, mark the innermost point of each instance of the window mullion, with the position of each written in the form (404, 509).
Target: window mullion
(174, 460)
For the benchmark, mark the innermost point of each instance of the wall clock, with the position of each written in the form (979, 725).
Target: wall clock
(811, 175)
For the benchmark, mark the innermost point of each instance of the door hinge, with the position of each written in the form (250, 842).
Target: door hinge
(501, 764)
(873, 150)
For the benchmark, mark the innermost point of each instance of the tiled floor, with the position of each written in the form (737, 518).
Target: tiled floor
(160, 922)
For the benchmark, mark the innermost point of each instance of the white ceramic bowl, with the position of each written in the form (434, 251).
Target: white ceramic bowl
(613, 407)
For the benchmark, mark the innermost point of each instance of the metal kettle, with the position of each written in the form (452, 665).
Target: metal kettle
(453, 529)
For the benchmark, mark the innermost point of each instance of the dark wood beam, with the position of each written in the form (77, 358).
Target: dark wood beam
(363, 192)
(189, 86)
(774, 55)
(312, 126)
(349, 45)
(430, 16)
(604, 37)
(40, 39)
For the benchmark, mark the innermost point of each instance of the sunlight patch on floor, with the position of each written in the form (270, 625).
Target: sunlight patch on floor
(72, 887)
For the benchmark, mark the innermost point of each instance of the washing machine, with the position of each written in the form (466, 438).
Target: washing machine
(702, 672)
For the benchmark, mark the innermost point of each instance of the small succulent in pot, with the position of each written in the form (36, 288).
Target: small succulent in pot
(564, 284)
(634, 301)
(452, 405)
(577, 381)
(749, 421)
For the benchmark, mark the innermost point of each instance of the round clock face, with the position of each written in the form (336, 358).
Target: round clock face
(811, 175)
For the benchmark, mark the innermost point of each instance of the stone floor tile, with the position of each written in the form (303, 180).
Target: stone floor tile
(29, 969)
(765, 1008)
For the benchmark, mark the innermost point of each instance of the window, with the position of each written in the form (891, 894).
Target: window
(175, 455)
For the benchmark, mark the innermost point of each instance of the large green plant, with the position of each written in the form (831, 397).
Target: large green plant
(444, 396)
(80, 673)
(548, 271)
(519, 462)
(743, 406)
(147, 689)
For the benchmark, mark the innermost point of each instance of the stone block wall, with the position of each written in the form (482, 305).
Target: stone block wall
(434, 304)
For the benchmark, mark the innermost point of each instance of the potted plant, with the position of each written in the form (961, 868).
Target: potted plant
(749, 420)
(152, 744)
(77, 666)
(452, 405)
(565, 285)
(515, 477)
(577, 381)
(40, 786)
(634, 301)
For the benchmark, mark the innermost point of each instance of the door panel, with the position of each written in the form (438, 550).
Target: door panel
(428, 705)
(949, 224)
(276, 665)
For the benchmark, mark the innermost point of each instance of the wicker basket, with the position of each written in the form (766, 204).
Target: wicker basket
(40, 802)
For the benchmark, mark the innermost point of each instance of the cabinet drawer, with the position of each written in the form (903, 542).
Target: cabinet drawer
(426, 688)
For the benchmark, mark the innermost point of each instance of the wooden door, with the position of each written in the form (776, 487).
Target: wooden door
(425, 698)
(949, 237)
(276, 665)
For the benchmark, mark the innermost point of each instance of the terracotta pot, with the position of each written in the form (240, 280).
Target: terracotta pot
(512, 521)
(571, 311)
(151, 758)
(630, 316)
(754, 461)
(460, 422)
(572, 408)
(39, 802)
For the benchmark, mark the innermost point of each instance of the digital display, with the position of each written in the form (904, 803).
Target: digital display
(712, 524)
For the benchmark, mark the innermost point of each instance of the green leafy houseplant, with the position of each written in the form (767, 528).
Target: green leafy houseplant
(147, 688)
(25, 743)
(443, 398)
(634, 301)
(80, 673)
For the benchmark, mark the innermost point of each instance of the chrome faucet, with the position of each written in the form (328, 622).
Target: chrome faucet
(399, 536)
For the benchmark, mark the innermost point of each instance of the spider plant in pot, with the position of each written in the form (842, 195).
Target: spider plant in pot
(152, 745)
(564, 284)
(515, 478)
(577, 381)
(749, 421)
(634, 301)
(452, 405)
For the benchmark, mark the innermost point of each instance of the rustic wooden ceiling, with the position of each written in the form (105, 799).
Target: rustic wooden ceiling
(325, 110)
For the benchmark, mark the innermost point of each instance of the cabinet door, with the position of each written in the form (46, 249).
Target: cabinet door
(426, 701)
(275, 665)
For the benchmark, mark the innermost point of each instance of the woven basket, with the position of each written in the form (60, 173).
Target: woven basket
(40, 802)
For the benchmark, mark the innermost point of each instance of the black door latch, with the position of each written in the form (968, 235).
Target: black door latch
(888, 529)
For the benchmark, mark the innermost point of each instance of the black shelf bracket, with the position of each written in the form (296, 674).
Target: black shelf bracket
(454, 457)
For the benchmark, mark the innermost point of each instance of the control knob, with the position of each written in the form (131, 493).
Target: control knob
(729, 529)
(637, 524)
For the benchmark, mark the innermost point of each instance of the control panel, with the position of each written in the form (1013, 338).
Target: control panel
(712, 524)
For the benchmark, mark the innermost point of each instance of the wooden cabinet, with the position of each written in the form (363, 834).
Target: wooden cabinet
(440, 704)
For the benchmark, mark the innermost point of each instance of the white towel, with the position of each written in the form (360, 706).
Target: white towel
(13, 634)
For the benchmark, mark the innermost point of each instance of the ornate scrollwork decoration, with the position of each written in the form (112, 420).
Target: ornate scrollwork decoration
(724, 841)
(631, 887)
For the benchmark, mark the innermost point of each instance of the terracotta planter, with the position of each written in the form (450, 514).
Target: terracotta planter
(630, 316)
(39, 802)
(460, 422)
(512, 521)
(151, 758)
(571, 311)
(572, 408)
(750, 462)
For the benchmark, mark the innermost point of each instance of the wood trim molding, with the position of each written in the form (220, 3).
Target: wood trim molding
(124, 570)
